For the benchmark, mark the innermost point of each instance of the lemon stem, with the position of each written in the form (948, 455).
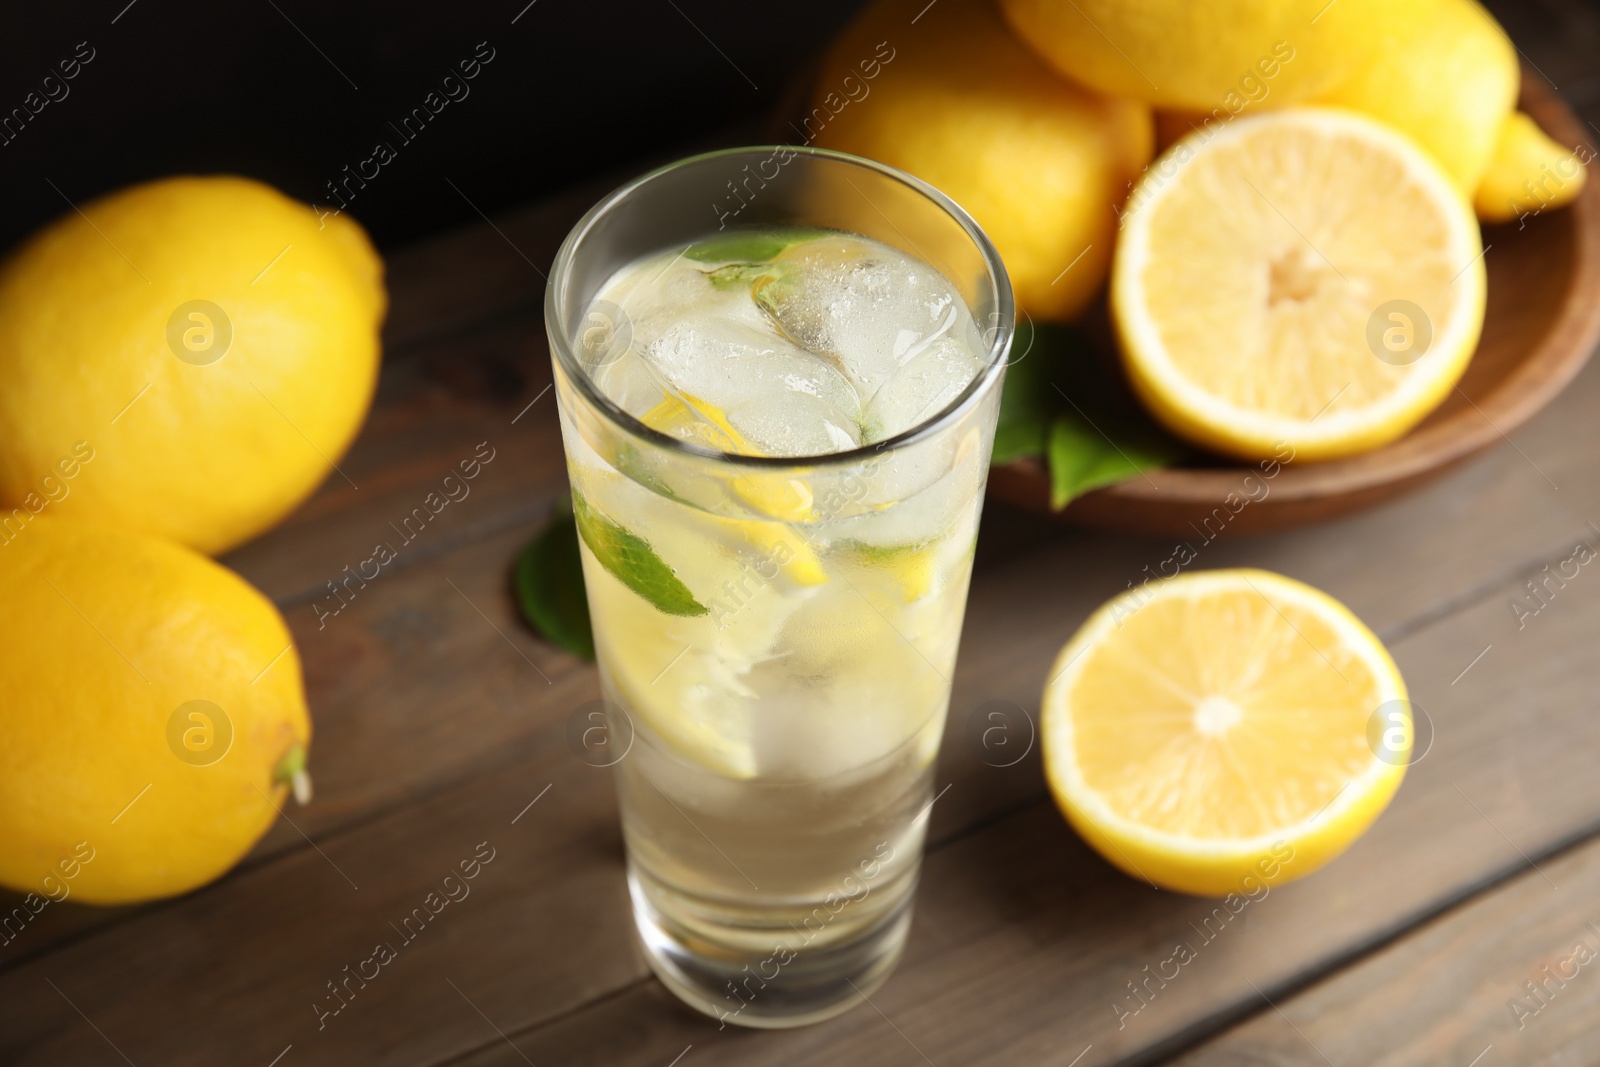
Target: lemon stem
(291, 770)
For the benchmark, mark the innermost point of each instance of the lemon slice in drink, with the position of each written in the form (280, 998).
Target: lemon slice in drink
(786, 499)
(1306, 277)
(680, 673)
(912, 568)
(1210, 733)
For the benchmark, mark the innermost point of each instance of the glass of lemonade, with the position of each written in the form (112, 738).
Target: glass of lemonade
(778, 373)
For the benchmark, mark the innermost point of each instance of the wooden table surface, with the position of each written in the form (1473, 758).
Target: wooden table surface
(440, 732)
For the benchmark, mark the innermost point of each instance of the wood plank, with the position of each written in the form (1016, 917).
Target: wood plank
(1499, 515)
(411, 688)
(434, 412)
(1501, 980)
(239, 968)
(427, 425)
(1024, 939)
(1417, 577)
(1538, 494)
(462, 279)
(1522, 520)
(1020, 917)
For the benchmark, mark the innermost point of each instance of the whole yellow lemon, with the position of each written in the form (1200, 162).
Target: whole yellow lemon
(199, 351)
(1447, 81)
(1529, 173)
(950, 96)
(153, 713)
(1221, 54)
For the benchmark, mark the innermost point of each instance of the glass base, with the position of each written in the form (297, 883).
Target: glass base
(777, 990)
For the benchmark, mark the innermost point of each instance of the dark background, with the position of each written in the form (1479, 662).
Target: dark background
(576, 88)
(291, 92)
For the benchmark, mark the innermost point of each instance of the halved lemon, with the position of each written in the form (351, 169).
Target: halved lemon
(1213, 733)
(1306, 279)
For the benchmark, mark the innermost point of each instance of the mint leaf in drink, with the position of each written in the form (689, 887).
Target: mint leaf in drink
(744, 275)
(1085, 455)
(637, 466)
(632, 561)
(548, 582)
(751, 245)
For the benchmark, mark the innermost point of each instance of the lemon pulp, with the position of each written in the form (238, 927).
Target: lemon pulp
(1194, 724)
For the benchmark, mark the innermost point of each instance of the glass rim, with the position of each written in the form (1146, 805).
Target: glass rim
(999, 334)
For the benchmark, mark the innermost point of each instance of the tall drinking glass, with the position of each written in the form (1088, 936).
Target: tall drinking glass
(775, 635)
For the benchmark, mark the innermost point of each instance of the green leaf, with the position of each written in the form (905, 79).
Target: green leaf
(548, 580)
(1027, 400)
(751, 245)
(632, 561)
(1064, 401)
(1022, 440)
(882, 555)
(1085, 455)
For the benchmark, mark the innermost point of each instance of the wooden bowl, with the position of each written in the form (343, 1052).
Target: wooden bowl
(1542, 322)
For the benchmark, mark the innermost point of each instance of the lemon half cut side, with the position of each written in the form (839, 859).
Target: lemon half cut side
(1306, 277)
(1206, 729)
